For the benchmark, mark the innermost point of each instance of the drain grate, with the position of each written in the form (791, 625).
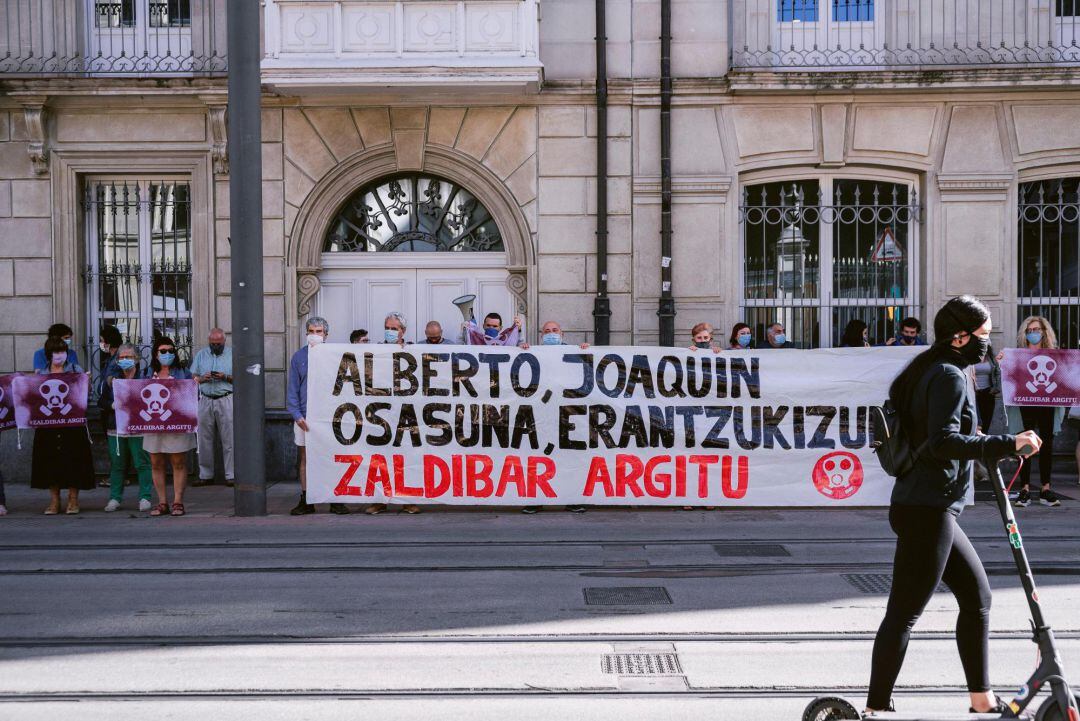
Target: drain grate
(877, 584)
(758, 550)
(627, 596)
(641, 664)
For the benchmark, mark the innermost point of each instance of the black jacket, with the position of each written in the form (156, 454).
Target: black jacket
(942, 414)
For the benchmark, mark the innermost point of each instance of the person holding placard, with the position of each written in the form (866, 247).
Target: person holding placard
(61, 457)
(168, 448)
(124, 449)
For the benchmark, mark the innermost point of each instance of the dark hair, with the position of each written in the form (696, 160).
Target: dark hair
(853, 334)
(60, 330)
(54, 344)
(160, 341)
(496, 316)
(911, 323)
(963, 314)
(111, 335)
(357, 334)
(733, 339)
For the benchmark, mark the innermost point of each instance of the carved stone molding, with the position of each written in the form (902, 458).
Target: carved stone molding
(997, 184)
(36, 114)
(699, 188)
(219, 134)
(307, 285)
(517, 282)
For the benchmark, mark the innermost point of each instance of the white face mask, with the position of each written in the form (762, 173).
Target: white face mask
(314, 340)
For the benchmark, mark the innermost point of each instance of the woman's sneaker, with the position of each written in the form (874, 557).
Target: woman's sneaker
(1048, 498)
(112, 505)
(1023, 500)
(145, 504)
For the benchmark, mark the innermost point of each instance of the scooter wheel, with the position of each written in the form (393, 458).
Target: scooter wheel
(1050, 710)
(830, 708)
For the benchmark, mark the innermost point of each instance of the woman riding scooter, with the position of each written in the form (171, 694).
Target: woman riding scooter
(936, 402)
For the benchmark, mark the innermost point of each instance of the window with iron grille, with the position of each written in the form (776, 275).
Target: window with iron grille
(1048, 248)
(820, 252)
(138, 271)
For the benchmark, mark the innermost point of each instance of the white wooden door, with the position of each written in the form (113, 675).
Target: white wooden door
(351, 297)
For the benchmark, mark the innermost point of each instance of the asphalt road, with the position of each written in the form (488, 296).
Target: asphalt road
(616, 614)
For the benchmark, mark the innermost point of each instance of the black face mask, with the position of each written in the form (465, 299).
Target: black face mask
(703, 344)
(975, 349)
(217, 348)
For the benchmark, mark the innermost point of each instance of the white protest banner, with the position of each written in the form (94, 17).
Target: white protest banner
(606, 426)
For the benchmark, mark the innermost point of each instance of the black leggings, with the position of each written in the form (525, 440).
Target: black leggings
(1040, 420)
(930, 548)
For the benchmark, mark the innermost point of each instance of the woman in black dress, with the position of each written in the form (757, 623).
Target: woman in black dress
(61, 456)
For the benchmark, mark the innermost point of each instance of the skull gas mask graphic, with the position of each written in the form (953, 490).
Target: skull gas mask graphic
(154, 397)
(55, 393)
(838, 475)
(1042, 369)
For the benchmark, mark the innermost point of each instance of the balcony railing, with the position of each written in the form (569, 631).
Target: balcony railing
(112, 37)
(898, 34)
(320, 43)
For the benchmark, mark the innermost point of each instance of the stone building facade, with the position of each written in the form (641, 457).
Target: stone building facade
(807, 186)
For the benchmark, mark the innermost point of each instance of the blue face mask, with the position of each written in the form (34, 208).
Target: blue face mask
(1034, 337)
(744, 340)
(390, 336)
(491, 332)
(126, 364)
(166, 359)
(67, 341)
(551, 339)
(780, 339)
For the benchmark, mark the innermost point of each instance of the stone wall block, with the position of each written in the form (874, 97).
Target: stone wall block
(337, 129)
(564, 196)
(408, 118)
(271, 125)
(31, 198)
(619, 273)
(561, 273)
(29, 315)
(373, 124)
(7, 277)
(33, 277)
(619, 121)
(7, 355)
(409, 149)
(272, 161)
(573, 311)
(273, 237)
(480, 128)
(444, 124)
(562, 121)
(273, 192)
(5, 127)
(515, 144)
(568, 157)
(304, 147)
(5, 198)
(25, 238)
(522, 182)
(763, 129)
(297, 184)
(15, 161)
(974, 143)
(896, 129)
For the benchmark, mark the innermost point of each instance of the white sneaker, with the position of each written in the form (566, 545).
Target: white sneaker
(145, 504)
(112, 505)
(3, 510)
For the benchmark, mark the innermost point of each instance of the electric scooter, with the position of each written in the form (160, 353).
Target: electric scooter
(1062, 705)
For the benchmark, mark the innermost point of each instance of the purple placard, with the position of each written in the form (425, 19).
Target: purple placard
(1040, 377)
(56, 400)
(7, 402)
(156, 405)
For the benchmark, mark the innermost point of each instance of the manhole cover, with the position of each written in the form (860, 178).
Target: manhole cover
(641, 664)
(759, 550)
(877, 584)
(627, 596)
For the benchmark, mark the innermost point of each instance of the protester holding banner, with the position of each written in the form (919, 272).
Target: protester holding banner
(61, 457)
(701, 338)
(64, 333)
(776, 337)
(296, 403)
(125, 451)
(935, 399)
(1036, 333)
(167, 449)
(856, 335)
(741, 337)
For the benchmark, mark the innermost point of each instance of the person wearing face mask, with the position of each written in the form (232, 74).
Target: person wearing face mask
(433, 333)
(936, 402)
(125, 451)
(1036, 333)
(856, 335)
(168, 450)
(213, 371)
(701, 338)
(65, 334)
(317, 330)
(910, 330)
(776, 337)
(61, 456)
(492, 332)
(741, 337)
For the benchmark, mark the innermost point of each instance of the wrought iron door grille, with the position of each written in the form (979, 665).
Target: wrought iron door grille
(138, 274)
(1048, 249)
(818, 253)
(641, 664)
(627, 596)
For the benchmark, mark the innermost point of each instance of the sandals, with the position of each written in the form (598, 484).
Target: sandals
(161, 509)
(178, 509)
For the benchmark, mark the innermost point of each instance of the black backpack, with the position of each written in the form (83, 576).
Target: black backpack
(890, 442)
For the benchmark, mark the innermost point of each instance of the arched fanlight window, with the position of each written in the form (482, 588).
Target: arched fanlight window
(413, 213)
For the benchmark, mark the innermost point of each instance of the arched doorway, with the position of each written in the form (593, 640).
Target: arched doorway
(410, 243)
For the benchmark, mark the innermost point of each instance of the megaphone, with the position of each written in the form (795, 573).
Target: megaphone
(464, 303)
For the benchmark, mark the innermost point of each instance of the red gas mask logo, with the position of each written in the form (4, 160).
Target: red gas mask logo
(838, 475)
